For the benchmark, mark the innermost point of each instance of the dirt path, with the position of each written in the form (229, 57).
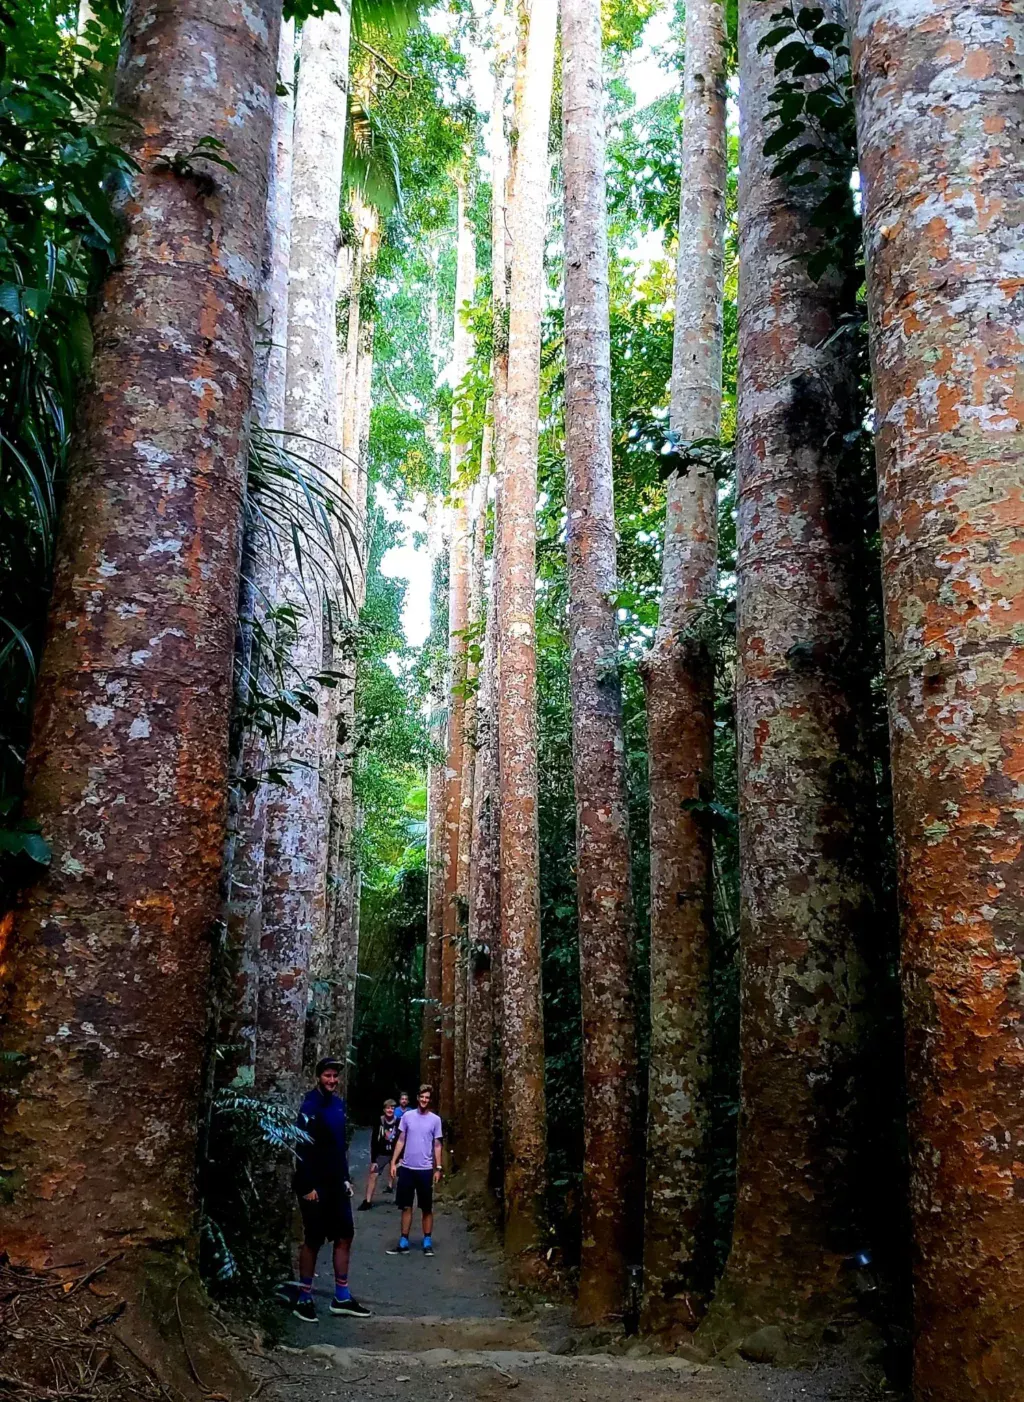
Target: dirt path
(443, 1331)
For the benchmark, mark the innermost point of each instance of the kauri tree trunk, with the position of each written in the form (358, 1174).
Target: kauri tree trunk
(604, 895)
(483, 932)
(806, 905)
(678, 675)
(127, 770)
(940, 116)
(522, 1013)
(430, 1044)
(247, 805)
(458, 618)
(294, 896)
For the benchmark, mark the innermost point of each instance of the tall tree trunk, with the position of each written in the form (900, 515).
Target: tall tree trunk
(458, 617)
(604, 894)
(522, 1013)
(477, 530)
(247, 805)
(805, 902)
(127, 770)
(678, 676)
(941, 121)
(430, 1046)
(483, 932)
(294, 895)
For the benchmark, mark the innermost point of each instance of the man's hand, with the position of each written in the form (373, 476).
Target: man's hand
(437, 1176)
(311, 1197)
(391, 1170)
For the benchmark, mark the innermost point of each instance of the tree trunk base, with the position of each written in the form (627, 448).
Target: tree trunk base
(133, 1328)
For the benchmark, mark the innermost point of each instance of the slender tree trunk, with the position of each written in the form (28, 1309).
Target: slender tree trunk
(522, 1014)
(477, 530)
(604, 894)
(458, 617)
(430, 1048)
(806, 906)
(678, 676)
(294, 896)
(247, 805)
(127, 769)
(940, 119)
(484, 929)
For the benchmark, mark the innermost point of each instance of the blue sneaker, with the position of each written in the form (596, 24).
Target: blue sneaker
(402, 1249)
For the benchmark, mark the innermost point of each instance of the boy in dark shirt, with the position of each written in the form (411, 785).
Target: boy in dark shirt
(324, 1191)
(383, 1138)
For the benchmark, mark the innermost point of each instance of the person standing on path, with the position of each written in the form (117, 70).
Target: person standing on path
(324, 1190)
(419, 1152)
(403, 1105)
(382, 1146)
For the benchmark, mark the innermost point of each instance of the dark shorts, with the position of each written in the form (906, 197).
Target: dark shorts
(415, 1183)
(327, 1220)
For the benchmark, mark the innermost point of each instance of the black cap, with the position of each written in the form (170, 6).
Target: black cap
(328, 1063)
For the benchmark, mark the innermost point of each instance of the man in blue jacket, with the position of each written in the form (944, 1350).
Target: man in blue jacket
(325, 1192)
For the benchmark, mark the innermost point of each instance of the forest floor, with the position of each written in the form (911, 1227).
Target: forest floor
(444, 1329)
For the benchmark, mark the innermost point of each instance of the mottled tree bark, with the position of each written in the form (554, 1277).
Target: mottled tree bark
(940, 115)
(678, 675)
(805, 902)
(477, 564)
(127, 770)
(430, 1046)
(458, 618)
(247, 807)
(483, 930)
(522, 1013)
(604, 893)
(294, 894)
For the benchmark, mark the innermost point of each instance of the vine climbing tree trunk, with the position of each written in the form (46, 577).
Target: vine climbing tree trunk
(940, 116)
(458, 618)
(249, 792)
(294, 894)
(806, 905)
(678, 675)
(127, 769)
(522, 1011)
(604, 895)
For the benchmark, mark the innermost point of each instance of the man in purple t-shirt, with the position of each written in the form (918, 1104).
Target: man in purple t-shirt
(417, 1161)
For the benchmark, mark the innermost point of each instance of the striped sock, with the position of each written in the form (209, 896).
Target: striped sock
(341, 1291)
(305, 1289)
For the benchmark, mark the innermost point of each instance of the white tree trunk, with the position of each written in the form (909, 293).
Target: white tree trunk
(294, 904)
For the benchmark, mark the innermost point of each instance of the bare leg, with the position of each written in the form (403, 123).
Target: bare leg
(428, 1223)
(342, 1252)
(307, 1262)
(406, 1221)
(371, 1183)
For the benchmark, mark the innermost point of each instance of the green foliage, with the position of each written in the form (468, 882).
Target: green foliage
(814, 140)
(59, 163)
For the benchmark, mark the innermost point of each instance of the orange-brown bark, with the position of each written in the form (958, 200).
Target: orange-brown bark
(127, 769)
(940, 115)
(604, 893)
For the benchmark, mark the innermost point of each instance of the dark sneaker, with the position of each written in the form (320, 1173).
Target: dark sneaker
(351, 1307)
(365, 1206)
(398, 1250)
(305, 1309)
(428, 1251)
